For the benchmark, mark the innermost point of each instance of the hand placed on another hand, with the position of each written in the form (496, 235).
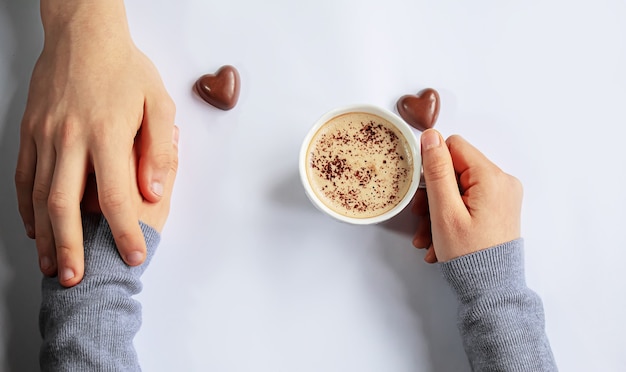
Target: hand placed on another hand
(92, 91)
(152, 214)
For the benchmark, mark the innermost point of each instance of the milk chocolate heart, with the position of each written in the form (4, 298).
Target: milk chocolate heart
(420, 110)
(220, 89)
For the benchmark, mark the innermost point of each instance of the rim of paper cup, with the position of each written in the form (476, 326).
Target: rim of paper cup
(414, 147)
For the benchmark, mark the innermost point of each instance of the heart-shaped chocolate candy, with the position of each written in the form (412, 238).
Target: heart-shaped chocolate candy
(220, 89)
(420, 110)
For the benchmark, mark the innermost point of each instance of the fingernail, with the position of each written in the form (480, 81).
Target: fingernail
(157, 188)
(430, 256)
(430, 139)
(30, 231)
(415, 242)
(134, 258)
(45, 263)
(67, 274)
(175, 135)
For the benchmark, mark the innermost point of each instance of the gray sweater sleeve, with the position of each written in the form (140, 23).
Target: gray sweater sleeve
(500, 319)
(90, 327)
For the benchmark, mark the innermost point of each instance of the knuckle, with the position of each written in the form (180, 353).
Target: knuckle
(497, 182)
(105, 137)
(39, 129)
(437, 170)
(112, 199)
(515, 185)
(162, 159)
(498, 176)
(63, 249)
(167, 108)
(492, 178)
(68, 133)
(29, 123)
(23, 178)
(174, 163)
(40, 194)
(58, 203)
(128, 240)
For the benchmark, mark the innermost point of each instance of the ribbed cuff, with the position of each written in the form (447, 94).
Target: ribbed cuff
(494, 268)
(98, 239)
(91, 326)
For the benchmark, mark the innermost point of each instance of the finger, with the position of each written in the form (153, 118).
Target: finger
(156, 154)
(44, 238)
(174, 163)
(444, 199)
(175, 140)
(114, 193)
(67, 187)
(420, 203)
(465, 157)
(24, 180)
(157, 218)
(431, 256)
(173, 170)
(423, 237)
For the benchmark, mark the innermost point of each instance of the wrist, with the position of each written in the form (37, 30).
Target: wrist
(88, 21)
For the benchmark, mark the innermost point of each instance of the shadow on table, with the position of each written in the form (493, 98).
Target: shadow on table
(20, 279)
(426, 294)
(430, 304)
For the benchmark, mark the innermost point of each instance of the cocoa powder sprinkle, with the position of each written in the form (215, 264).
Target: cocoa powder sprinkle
(360, 165)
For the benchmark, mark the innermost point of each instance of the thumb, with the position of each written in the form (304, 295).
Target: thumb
(444, 199)
(156, 152)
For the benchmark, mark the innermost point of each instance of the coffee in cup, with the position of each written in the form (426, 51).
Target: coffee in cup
(360, 164)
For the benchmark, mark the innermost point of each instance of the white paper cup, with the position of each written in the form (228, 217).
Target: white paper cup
(413, 148)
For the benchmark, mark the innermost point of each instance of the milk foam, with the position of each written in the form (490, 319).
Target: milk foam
(359, 165)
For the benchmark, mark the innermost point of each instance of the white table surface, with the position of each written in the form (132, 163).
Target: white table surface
(250, 277)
